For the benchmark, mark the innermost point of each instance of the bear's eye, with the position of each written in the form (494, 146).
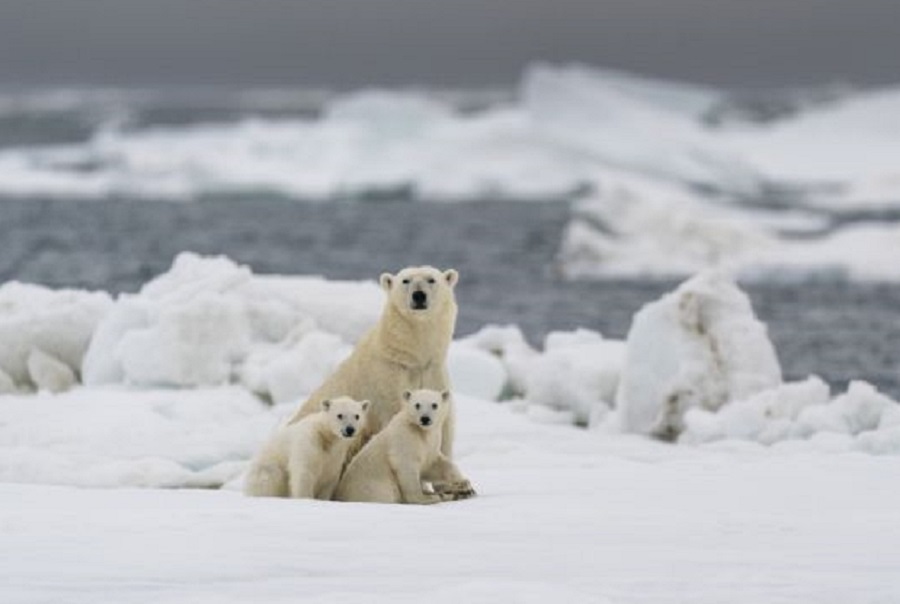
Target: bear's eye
(357, 416)
(418, 406)
(434, 405)
(340, 416)
(431, 280)
(406, 282)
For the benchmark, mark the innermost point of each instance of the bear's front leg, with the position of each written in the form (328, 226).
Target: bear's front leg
(303, 485)
(447, 480)
(411, 490)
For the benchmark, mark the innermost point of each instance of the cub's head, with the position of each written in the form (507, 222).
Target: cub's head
(420, 290)
(426, 408)
(345, 415)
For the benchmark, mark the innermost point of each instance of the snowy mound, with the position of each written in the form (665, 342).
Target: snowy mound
(699, 346)
(649, 128)
(44, 335)
(849, 146)
(211, 322)
(631, 227)
(862, 418)
(103, 437)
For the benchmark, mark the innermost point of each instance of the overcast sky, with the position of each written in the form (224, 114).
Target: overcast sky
(347, 43)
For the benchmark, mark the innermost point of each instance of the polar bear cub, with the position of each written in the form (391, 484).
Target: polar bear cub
(304, 460)
(393, 466)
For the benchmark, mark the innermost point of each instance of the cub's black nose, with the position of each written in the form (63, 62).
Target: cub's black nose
(349, 431)
(426, 421)
(419, 298)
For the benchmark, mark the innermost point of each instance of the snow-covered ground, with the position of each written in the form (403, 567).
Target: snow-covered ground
(664, 188)
(774, 492)
(561, 515)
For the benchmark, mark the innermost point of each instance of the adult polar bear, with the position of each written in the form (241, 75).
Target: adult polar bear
(406, 350)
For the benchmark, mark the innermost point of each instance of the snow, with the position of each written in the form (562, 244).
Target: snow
(633, 228)
(560, 514)
(850, 145)
(475, 372)
(699, 346)
(45, 332)
(578, 371)
(110, 490)
(636, 228)
(508, 344)
(116, 437)
(648, 128)
(860, 419)
(209, 321)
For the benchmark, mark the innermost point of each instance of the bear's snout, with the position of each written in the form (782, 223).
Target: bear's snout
(419, 300)
(349, 431)
(425, 420)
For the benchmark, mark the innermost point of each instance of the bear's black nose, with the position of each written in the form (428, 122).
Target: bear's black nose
(419, 298)
(349, 431)
(426, 421)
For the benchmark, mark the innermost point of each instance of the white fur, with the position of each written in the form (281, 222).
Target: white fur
(406, 350)
(393, 466)
(304, 460)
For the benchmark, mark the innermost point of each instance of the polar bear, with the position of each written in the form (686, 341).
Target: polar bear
(305, 460)
(405, 350)
(395, 464)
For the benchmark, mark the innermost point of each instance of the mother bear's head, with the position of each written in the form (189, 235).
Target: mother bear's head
(420, 291)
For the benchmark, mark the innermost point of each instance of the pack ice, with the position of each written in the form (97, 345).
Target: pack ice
(176, 385)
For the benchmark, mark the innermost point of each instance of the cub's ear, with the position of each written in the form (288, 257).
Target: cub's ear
(386, 280)
(326, 405)
(452, 277)
(445, 395)
(407, 395)
(365, 405)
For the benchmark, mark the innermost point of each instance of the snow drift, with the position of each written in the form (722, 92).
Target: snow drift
(44, 335)
(211, 322)
(699, 346)
(634, 228)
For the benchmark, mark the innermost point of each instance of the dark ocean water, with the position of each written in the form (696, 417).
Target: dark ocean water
(505, 252)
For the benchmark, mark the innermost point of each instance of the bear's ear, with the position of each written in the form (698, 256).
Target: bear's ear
(407, 395)
(326, 405)
(386, 280)
(445, 395)
(365, 405)
(452, 277)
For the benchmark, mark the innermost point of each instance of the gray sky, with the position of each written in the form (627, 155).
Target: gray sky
(347, 43)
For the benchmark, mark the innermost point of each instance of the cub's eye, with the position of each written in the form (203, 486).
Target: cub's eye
(434, 405)
(406, 282)
(340, 416)
(431, 280)
(418, 406)
(357, 416)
